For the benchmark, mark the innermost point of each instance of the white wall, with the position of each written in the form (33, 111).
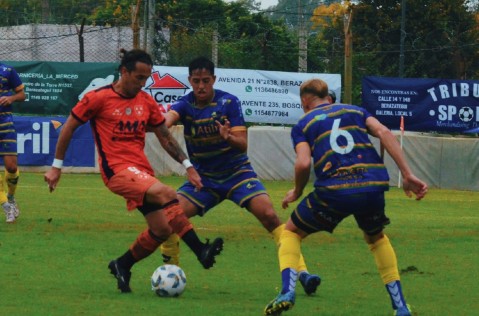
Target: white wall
(443, 162)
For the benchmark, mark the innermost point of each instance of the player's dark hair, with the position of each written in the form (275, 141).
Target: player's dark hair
(201, 63)
(130, 58)
(332, 94)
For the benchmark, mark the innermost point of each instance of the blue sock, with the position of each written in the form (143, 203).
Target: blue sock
(289, 277)
(395, 292)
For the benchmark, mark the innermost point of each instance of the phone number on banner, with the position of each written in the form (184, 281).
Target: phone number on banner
(270, 113)
(271, 90)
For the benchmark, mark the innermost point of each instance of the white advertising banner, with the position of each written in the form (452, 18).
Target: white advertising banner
(266, 96)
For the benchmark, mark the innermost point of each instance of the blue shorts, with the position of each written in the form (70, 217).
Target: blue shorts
(239, 188)
(8, 138)
(323, 211)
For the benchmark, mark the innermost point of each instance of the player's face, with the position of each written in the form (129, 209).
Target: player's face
(136, 79)
(202, 82)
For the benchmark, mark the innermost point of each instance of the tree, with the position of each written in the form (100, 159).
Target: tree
(440, 41)
(246, 40)
(16, 12)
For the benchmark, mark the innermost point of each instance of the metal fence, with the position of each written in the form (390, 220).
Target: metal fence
(63, 43)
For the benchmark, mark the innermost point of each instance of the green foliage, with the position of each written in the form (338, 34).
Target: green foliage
(435, 32)
(46, 11)
(113, 12)
(54, 259)
(440, 36)
(269, 45)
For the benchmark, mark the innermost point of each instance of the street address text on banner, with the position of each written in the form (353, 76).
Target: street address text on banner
(266, 96)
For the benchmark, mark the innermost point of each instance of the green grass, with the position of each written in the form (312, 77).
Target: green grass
(54, 259)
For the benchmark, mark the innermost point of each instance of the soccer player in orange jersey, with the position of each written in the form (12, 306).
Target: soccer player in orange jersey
(119, 116)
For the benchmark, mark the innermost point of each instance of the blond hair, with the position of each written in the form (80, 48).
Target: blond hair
(314, 86)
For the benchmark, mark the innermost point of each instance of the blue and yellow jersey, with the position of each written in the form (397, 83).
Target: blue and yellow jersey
(211, 155)
(345, 160)
(10, 82)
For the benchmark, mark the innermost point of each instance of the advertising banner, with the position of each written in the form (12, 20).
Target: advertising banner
(53, 88)
(426, 105)
(37, 138)
(266, 96)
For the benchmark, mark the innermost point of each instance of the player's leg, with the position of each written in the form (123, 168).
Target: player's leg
(304, 220)
(145, 244)
(162, 212)
(170, 249)
(10, 150)
(262, 208)
(12, 174)
(7, 207)
(313, 214)
(386, 262)
(289, 252)
(179, 222)
(372, 223)
(193, 202)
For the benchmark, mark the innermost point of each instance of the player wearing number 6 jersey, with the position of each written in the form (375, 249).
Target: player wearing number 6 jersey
(350, 180)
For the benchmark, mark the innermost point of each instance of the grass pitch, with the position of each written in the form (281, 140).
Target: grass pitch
(54, 259)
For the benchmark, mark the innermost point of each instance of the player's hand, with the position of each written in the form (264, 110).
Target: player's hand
(291, 196)
(224, 129)
(52, 177)
(5, 101)
(412, 184)
(194, 178)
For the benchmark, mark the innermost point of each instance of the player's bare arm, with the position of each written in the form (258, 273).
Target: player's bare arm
(52, 176)
(411, 184)
(169, 143)
(8, 100)
(171, 117)
(302, 167)
(237, 138)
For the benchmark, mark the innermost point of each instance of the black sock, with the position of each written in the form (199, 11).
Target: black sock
(193, 242)
(127, 260)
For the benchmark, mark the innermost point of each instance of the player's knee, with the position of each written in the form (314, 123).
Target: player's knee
(373, 237)
(168, 194)
(11, 169)
(270, 220)
(160, 234)
(160, 193)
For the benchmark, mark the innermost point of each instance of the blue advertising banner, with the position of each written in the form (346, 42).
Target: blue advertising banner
(427, 105)
(37, 138)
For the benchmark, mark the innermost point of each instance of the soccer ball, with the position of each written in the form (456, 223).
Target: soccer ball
(168, 280)
(466, 114)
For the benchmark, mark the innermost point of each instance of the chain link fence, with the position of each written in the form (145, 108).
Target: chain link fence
(64, 43)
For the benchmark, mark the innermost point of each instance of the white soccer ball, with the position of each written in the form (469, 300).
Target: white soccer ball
(168, 280)
(466, 114)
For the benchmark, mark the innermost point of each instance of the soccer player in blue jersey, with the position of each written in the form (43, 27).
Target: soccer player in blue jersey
(11, 90)
(216, 141)
(350, 180)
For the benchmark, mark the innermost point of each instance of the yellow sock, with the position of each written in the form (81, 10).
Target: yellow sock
(3, 195)
(289, 250)
(12, 179)
(277, 235)
(170, 249)
(385, 260)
